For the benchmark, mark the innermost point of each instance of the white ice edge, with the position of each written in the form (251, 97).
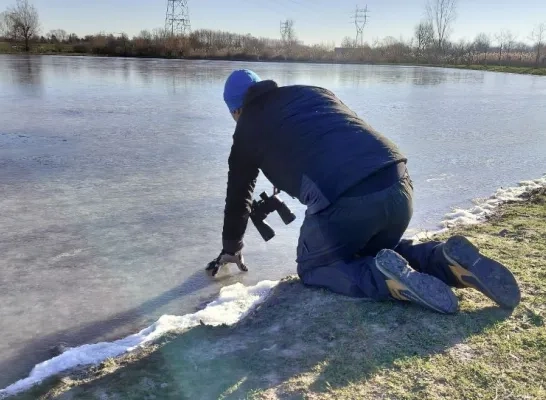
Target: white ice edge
(483, 207)
(234, 302)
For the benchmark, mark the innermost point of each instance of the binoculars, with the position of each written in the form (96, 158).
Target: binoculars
(262, 208)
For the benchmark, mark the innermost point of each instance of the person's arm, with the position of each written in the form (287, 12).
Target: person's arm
(241, 182)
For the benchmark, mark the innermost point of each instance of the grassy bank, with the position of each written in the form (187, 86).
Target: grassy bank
(323, 57)
(310, 344)
(41, 49)
(500, 68)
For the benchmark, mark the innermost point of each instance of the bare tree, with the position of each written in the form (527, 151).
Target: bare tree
(481, 44)
(145, 34)
(462, 52)
(23, 21)
(501, 41)
(510, 42)
(424, 35)
(539, 37)
(442, 14)
(348, 42)
(159, 34)
(57, 35)
(60, 34)
(73, 38)
(8, 27)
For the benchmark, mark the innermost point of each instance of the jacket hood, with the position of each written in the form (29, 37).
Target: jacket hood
(259, 89)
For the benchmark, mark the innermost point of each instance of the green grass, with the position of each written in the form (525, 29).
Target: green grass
(500, 68)
(311, 344)
(37, 48)
(47, 48)
(5, 48)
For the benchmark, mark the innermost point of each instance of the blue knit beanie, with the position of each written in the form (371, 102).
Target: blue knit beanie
(236, 86)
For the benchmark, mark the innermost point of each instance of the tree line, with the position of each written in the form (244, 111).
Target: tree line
(430, 43)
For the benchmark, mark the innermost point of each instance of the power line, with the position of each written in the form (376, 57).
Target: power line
(177, 18)
(287, 31)
(265, 6)
(286, 7)
(360, 18)
(304, 10)
(295, 2)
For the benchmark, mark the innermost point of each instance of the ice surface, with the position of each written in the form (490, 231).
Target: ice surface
(232, 304)
(106, 222)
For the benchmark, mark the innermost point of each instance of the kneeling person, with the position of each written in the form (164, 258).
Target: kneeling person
(358, 193)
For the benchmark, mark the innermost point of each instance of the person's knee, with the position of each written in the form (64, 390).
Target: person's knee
(333, 280)
(356, 278)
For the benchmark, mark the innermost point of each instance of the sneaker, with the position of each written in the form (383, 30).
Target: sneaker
(474, 270)
(406, 284)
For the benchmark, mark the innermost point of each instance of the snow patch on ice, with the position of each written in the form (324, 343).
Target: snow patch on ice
(233, 303)
(483, 207)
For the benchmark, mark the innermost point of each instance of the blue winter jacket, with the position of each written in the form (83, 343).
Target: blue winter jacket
(307, 143)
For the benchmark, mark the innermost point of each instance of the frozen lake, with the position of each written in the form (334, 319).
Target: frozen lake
(113, 176)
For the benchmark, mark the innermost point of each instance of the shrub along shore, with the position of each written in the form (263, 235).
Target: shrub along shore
(264, 50)
(307, 343)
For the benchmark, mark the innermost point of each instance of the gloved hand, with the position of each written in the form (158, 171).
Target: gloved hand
(225, 258)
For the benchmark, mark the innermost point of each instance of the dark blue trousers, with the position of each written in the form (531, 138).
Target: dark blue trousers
(337, 246)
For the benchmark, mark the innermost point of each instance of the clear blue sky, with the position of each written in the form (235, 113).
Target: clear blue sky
(315, 20)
